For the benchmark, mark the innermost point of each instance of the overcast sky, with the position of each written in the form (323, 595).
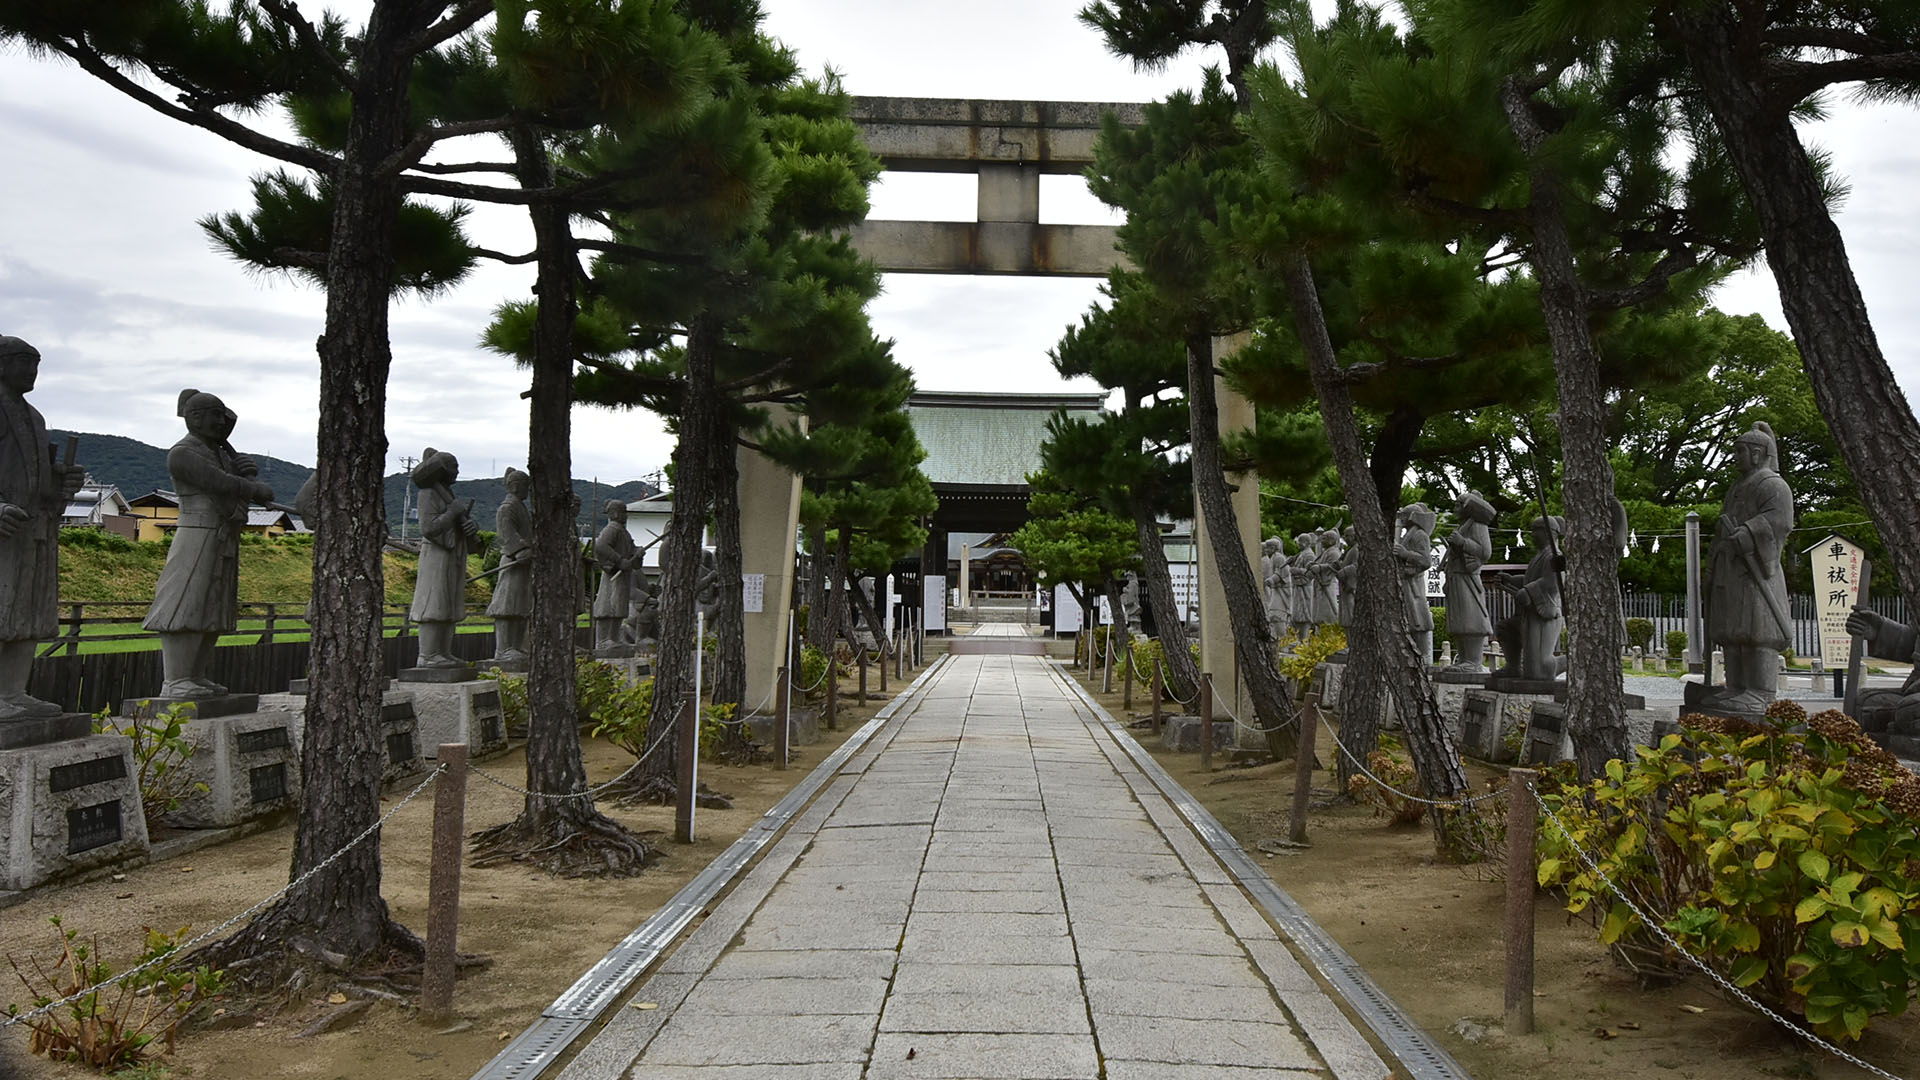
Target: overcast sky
(103, 268)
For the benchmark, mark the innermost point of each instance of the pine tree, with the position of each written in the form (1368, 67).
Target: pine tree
(1128, 457)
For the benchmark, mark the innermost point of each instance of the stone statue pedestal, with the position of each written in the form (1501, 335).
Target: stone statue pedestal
(633, 669)
(514, 666)
(41, 730)
(205, 708)
(1181, 734)
(299, 687)
(1550, 736)
(67, 807)
(457, 712)
(245, 756)
(399, 731)
(623, 651)
(803, 726)
(1487, 714)
(442, 673)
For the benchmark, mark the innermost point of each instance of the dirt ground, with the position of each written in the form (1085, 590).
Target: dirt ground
(541, 932)
(1430, 935)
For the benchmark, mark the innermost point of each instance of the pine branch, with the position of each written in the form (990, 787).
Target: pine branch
(501, 256)
(1677, 259)
(1828, 37)
(458, 21)
(418, 146)
(231, 130)
(1792, 80)
(288, 12)
(631, 253)
(463, 167)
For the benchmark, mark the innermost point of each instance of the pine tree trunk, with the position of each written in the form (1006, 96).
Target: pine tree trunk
(874, 624)
(565, 836)
(729, 625)
(819, 627)
(1854, 387)
(1253, 644)
(1183, 675)
(836, 613)
(1596, 711)
(340, 909)
(1379, 647)
(680, 567)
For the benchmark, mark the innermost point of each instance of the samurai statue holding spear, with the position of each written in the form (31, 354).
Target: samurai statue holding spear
(1746, 590)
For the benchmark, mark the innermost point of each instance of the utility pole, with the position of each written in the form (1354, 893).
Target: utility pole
(407, 462)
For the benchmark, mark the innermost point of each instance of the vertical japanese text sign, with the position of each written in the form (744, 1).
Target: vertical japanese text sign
(1836, 589)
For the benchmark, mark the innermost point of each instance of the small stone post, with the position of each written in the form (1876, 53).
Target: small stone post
(1303, 769)
(443, 882)
(689, 772)
(1522, 822)
(782, 718)
(1206, 721)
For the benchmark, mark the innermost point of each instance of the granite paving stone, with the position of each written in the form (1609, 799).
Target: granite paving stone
(995, 892)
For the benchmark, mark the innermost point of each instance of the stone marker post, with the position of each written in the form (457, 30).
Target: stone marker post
(1696, 628)
(1206, 721)
(1522, 823)
(443, 883)
(782, 718)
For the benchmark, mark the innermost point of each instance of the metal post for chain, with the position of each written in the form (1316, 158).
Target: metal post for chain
(1523, 818)
(862, 651)
(689, 769)
(882, 665)
(1303, 768)
(782, 719)
(1159, 688)
(1106, 666)
(443, 883)
(1206, 721)
(1126, 682)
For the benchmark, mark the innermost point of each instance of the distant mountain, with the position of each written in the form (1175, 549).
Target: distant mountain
(137, 468)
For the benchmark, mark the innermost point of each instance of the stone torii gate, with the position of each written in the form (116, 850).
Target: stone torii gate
(1008, 145)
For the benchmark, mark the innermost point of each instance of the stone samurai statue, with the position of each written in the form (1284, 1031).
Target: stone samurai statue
(1469, 547)
(512, 603)
(1413, 553)
(1531, 635)
(1276, 577)
(1746, 590)
(440, 589)
(615, 554)
(34, 489)
(198, 597)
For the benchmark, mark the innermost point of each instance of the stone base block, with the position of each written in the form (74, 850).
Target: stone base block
(803, 727)
(1547, 739)
(1486, 715)
(1459, 675)
(615, 652)
(1508, 684)
(1326, 682)
(22, 732)
(249, 763)
(399, 730)
(1182, 734)
(511, 667)
(67, 807)
(298, 687)
(463, 712)
(633, 670)
(1902, 746)
(1631, 701)
(205, 708)
(441, 674)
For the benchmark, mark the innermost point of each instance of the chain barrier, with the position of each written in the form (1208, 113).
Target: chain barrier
(1167, 687)
(1368, 773)
(817, 683)
(1660, 931)
(188, 945)
(1242, 724)
(587, 794)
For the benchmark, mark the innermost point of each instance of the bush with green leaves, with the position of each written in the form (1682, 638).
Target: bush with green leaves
(1323, 642)
(1785, 857)
(161, 751)
(113, 1027)
(813, 670)
(1676, 644)
(620, 717)
(1640, 634)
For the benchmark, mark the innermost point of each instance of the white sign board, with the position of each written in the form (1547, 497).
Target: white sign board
(933, 594)
(1837, 564)
(1067, 616)
(753, 593)
(1185, 596)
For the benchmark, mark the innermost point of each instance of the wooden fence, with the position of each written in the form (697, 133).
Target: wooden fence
(90, 681)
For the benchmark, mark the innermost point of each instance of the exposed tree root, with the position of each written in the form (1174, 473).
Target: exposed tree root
(272, 965)
(576, 845)
(662, 791)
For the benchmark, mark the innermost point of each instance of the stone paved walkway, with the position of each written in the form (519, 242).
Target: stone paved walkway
(990, 889)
